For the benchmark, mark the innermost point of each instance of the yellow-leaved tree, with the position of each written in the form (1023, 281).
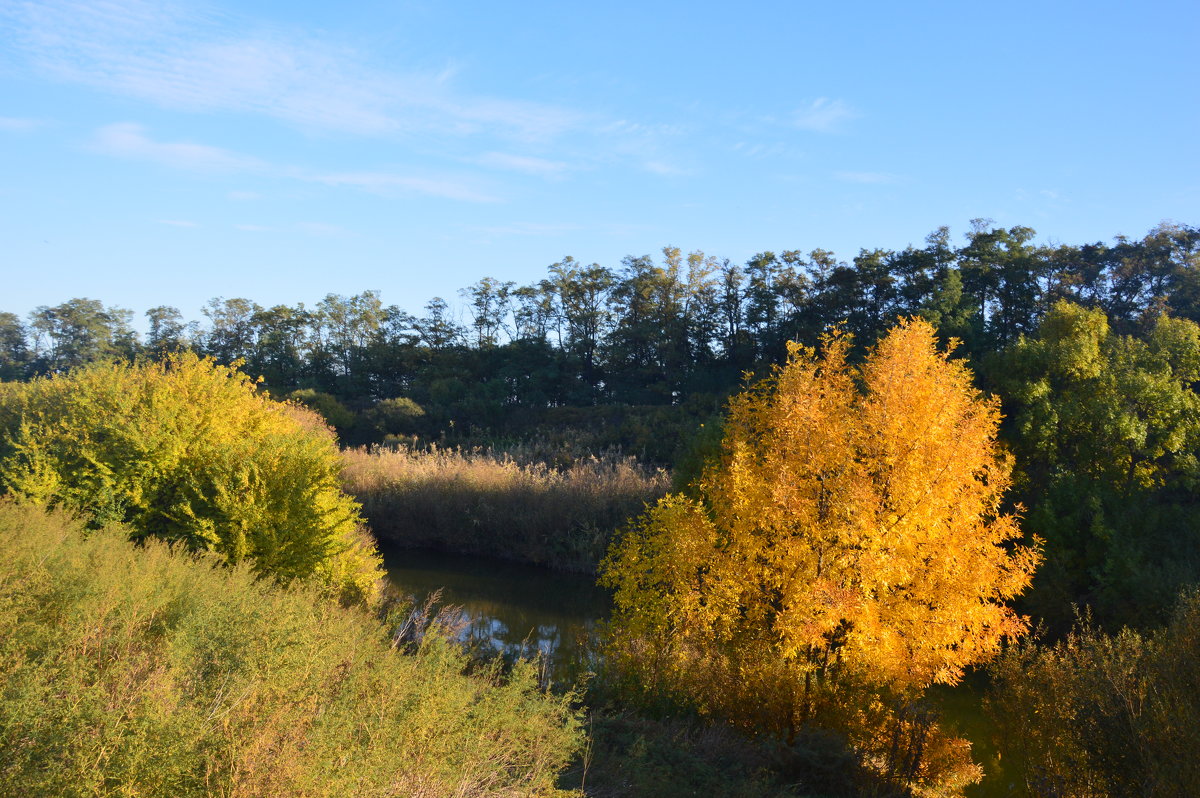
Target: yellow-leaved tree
(190, 451)
(846, 550)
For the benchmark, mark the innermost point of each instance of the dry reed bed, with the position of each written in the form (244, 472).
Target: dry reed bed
(490, 503)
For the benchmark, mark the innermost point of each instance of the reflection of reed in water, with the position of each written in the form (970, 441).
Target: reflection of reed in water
(508, 610)
(568, 652)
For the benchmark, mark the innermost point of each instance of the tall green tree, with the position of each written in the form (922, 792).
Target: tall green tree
(232, 333)
(1106, 430)
(15, 357)
(80, 331)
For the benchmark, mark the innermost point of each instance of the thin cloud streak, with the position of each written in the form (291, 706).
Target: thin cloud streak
(203, 62)
(129, 140)
(530, 229)
(823, 115)
(665, 169)
(385, 181)
(867, 178)
(540, 167)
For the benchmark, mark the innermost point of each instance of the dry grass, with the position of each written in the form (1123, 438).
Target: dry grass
(500, 504)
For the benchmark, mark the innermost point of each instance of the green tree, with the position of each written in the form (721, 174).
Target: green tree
(232, 333)
(168, 332)
(80, 331)
(490, 302)
(15, 357)
(1106, 429)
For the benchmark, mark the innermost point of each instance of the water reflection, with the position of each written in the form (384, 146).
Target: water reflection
(510, 609)
(517, 610)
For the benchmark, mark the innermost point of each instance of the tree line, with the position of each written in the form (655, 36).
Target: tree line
(649, 332)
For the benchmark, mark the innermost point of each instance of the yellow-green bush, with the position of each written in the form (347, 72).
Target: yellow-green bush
(142, 671)
(187, 450)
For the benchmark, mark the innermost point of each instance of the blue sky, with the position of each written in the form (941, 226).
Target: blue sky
(167, 153)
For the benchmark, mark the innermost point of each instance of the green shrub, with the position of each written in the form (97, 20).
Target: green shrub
(336, 414)
(1099, 714)
(398, 416)
(142, 671)
(189, 451)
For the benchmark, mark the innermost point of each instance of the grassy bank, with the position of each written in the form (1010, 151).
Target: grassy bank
(135, 670)
(500, 504)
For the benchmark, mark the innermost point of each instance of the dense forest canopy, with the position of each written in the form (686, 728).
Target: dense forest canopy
(648, 332)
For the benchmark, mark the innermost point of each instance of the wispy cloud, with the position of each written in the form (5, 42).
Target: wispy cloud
(321, 228)
(129, 140)
(18, 125)
(823, 115)
(311, 228)
(869, 178)
(177, 223)
(665, 169)
(542, 167)
(530, 229)
(761, 150)
(243, 196)
(201, 60)
(389, 181)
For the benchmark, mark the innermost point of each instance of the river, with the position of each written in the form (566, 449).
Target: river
(518, 609)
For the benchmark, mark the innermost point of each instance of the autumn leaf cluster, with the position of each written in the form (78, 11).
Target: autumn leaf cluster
(851, 532)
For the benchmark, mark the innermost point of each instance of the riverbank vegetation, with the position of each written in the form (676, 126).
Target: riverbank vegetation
(144, 670)
(1101, 714)
(506, 504)
(1088, 355)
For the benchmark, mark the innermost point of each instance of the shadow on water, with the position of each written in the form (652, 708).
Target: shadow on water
(516, 610)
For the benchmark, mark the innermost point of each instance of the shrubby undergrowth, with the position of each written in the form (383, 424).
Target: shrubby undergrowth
(1100, 714)
(137, 670)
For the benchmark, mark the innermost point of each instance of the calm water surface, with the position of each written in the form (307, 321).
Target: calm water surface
(511, 608)
(519, 609)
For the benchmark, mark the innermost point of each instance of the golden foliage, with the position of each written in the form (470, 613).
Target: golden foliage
(850, 533)
(493, 503)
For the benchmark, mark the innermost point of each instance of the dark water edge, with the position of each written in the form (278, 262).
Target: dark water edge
(511, 608)
(515, 609)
